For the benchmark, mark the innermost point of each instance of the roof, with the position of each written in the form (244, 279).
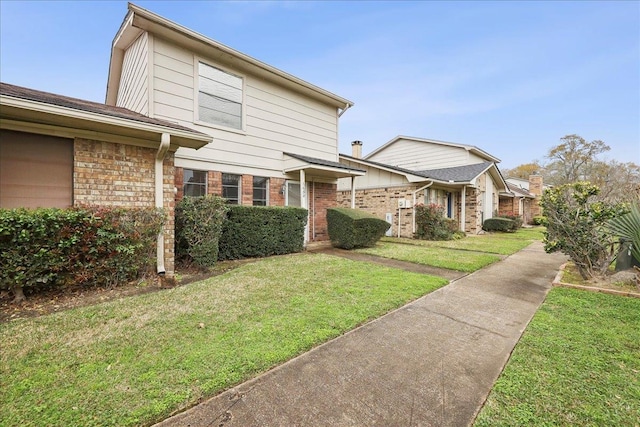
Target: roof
(408, 173)
(464, 173)
(21, 103)
(519, 191)
(139, 19)
(471, 148)
(322, 167)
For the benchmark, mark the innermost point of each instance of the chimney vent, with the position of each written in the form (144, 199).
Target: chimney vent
(356, 149)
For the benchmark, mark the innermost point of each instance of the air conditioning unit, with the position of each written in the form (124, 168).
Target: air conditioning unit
(404, 203)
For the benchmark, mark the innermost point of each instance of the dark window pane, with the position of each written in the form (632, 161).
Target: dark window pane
(195, 183)
(260, 190)
(231, 188)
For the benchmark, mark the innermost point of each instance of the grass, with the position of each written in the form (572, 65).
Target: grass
(467, 254)
(578, 363)
(136, 360)
(451, 259)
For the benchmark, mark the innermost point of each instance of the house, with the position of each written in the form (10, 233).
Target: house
(57, 151)
(275, 136)
(523, 198)
(406, 171)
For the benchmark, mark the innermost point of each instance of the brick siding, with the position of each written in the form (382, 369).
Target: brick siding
(119, 175)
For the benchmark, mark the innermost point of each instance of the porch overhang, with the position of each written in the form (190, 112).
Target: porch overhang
(318, 168)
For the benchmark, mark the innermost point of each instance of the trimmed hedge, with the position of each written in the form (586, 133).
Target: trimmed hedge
(198, 228)
(352, 228)
(261, 231)
(41, 248)
(499, 224)
(539, 220)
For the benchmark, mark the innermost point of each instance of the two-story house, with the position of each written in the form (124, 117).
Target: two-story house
(275, 136)
(406, 171)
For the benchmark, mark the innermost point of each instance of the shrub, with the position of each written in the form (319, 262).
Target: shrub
(539, 220)
(517, 221)
(575, 224)
(352, 228)
(260, 231)
(627, 227)
(431, 224)
(198, 228)
(42, 248)
(499, 224)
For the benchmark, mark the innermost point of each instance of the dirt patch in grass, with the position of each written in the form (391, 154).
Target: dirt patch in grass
(64, 298)
(571, 277)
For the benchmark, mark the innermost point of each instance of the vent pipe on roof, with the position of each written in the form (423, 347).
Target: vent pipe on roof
(356, 149)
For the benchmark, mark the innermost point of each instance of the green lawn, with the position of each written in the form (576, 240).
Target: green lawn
(136, 360)
(496, 243)
(452, 259)
(577, 364)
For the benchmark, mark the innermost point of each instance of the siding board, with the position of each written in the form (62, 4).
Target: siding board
(132, 93)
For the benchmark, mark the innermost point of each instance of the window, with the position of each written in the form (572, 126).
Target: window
(231, 188)
(260, 191)
(35, 170)
(219, 97)
(195, 183)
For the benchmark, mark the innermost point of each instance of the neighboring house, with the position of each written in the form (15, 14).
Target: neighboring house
(523, 198)
(407, 171)
(275, 136)
(57, 151)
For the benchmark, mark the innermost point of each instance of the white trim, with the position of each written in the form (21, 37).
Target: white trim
(41, 107)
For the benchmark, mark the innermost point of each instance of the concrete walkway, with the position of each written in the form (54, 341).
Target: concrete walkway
(429, 363)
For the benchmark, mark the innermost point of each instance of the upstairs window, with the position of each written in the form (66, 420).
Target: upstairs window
(231, 188)
(260, 191)
(219, 97)
(195, 183)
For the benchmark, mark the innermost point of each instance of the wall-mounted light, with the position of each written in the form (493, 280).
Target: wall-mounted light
(283, 189)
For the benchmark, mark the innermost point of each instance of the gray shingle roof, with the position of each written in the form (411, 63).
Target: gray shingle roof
(88, 106)
(457, 173)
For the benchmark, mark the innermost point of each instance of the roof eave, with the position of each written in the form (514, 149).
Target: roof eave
(187, 139)
(139, 19)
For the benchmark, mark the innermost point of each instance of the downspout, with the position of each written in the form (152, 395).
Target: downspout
(463, 210)
(353, 192)
(414, 203)
(165, 142)
(313, 204)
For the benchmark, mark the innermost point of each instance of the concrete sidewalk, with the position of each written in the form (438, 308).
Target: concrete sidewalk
(429, 363)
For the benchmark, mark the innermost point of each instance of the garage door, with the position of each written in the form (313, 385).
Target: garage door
(35, 170)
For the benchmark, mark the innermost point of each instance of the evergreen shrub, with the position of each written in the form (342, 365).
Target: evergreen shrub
(499, 224)
(261, 231)
(352, 228)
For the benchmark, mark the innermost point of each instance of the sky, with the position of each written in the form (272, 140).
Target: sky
(510, 77)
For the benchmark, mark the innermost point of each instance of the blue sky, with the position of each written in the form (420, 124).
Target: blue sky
(509, 77)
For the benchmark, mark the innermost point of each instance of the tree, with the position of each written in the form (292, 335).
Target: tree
(577, 226)
(570, 161)
(524, 170)
(618, 182)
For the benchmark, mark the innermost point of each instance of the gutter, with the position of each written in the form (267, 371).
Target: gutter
(165, 142)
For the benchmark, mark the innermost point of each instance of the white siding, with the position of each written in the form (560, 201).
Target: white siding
(133, 90)
(419, 155)
(374, 178)
(276, 120)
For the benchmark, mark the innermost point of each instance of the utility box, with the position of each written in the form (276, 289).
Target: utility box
(389, 218)
(625, 260)
(404, 203)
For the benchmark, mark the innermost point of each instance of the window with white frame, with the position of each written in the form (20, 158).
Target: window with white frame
(231, 188)
(194, 183)
(260, 191)
(219, 97)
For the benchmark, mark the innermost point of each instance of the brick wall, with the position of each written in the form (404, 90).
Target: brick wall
(473, 219)
(321, 197)
(380, 201)
(535, 188)
(246, 187)
(109, 174)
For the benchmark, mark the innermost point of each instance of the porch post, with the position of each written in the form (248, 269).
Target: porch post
(353, 192)
(304, 202)
(463, 209)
